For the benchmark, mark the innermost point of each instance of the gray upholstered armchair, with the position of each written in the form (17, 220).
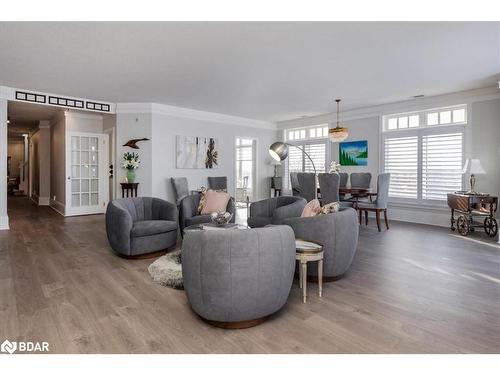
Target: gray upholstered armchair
(137, 226)
(188, 212)
(274, 210)
(338, 232)
(237, 278)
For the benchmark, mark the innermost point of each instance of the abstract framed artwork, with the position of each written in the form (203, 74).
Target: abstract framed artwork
(353, 153)
(197, 152)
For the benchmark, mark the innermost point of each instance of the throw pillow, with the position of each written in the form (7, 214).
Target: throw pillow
(330, 208)
(216, 201)
(311, 209)
(203, 198)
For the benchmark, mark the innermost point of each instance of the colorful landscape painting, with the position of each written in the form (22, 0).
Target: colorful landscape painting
(353, 153)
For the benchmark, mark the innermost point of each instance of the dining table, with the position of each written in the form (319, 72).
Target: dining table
(355, 193)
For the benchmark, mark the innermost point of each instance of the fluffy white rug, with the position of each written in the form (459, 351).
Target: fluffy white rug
(167, 270)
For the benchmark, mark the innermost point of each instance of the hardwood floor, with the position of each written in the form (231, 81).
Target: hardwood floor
(412, 289)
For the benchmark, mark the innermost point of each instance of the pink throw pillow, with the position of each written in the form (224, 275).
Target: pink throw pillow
(311, 209)
(216, 201)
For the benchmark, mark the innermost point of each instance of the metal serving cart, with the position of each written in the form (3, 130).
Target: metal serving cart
(474, 211)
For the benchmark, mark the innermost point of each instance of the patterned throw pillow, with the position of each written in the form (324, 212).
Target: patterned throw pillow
(329, 208)
(311, 209)
(203, 199)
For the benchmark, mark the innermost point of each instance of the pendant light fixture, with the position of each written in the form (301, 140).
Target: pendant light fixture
(338, 133)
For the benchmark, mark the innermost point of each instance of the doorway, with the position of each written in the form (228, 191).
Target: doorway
(245, 158)
(86, 173)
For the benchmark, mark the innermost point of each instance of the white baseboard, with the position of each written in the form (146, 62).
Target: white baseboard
(4, 222)
(57, 206)
(43, 201)
(419, 215)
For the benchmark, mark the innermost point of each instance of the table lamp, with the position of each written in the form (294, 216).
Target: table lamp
(473, 166)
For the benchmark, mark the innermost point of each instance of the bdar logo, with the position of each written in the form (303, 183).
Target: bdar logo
(8, 347)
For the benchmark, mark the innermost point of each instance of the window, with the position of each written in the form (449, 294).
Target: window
(424, 154)
(441, 116)
(245, 169)
(314, 141)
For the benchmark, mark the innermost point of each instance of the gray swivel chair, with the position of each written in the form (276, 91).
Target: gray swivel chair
(329, 187)
(188, 212)
(307, 183)
(274, 210)
(238, 278)
(217, 183)
(337, 232)
(181, 188)
(137, 226)
(380, 204)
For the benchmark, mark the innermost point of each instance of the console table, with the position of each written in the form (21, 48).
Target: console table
(470, 207)
(129, 188)
(276, 185)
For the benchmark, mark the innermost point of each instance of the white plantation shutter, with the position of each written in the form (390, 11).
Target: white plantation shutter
(317, 152)
(293, 163)
(298, 162)
(401, 161)
(442, 157)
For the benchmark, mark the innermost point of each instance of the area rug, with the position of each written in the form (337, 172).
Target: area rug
(167, 270)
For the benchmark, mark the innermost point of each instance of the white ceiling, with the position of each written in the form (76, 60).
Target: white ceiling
(268, 71)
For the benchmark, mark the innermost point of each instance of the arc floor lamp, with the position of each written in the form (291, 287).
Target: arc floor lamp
(279, 152)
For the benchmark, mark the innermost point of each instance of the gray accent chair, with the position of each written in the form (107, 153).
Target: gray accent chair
(137, 226)
(380, 204)
(307, 183)
(274, 210)
(236, 278)
(181, 188)
(329, 187)
(188, 212)
(217, 183)
(337, 232)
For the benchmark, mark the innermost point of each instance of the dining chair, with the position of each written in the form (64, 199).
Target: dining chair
(329, 187)
(307, 184)
(343, 183)
(294, 182)
(181, 188)
(380, 203)
(361, 180)
(217, 183)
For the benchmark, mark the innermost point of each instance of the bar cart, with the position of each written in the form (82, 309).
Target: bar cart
(474, 211)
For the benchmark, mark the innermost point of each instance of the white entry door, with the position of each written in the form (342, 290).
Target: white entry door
(87, 185)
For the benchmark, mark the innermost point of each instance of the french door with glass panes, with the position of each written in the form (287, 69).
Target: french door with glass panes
(86, 173)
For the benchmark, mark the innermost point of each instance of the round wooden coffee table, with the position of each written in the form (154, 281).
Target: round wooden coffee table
(309, 251)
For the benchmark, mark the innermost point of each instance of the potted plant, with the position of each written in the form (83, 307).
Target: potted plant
(130, 162)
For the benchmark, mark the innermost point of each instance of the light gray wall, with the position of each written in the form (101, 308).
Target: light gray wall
(484, 141)
(133, 126)
(16, 153)
(166, 128)
(366, 129)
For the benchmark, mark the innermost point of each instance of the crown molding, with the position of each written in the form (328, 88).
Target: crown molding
(168, 110)
(418, 104)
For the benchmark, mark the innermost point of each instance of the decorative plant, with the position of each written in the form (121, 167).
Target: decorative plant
(334, 167)
(130, 161)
